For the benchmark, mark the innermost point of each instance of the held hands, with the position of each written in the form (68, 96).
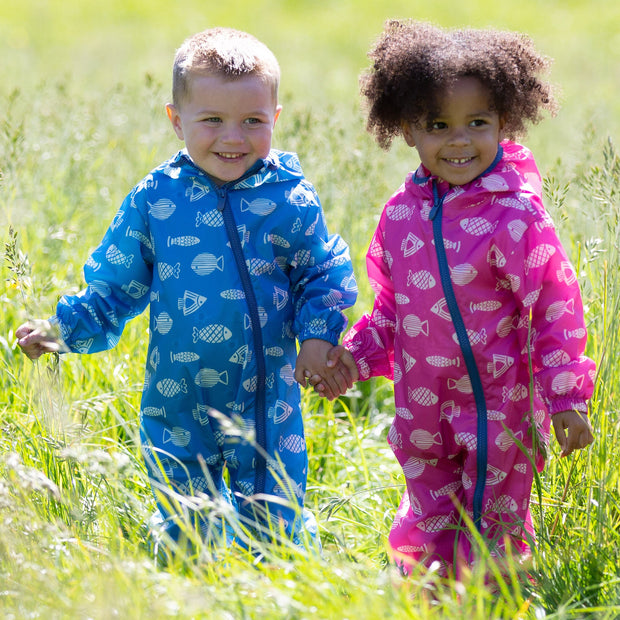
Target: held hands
(36, 337)
(578, 427)
(331, 370)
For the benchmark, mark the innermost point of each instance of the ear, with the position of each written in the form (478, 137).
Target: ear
(175, 119)
(407, 133)
(277, 114)
(502, 135)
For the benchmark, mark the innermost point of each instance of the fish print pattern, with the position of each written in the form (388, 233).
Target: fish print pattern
(168, 246)
(514, 285)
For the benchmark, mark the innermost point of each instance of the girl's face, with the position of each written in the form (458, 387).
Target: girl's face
(461, 143)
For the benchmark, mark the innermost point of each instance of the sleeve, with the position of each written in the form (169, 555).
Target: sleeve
(118, 277)
(322, 279)
(371, 339)
(547, 290)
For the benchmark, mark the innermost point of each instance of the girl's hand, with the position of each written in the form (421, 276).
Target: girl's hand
(578, 427)
(37, 337)
(338, 357)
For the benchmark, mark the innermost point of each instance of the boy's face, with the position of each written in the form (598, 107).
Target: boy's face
(226, 124)
(461, 143)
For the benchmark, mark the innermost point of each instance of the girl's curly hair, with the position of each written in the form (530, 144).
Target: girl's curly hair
(414, 63)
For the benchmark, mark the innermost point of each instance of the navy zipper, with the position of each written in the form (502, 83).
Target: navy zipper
(470, 362)
(260, 472)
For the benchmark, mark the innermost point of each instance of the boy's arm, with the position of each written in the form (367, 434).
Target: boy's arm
(313, 363)
(578, 427)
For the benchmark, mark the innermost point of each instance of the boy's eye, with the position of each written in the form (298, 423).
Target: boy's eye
(212, 119)
(252, 121)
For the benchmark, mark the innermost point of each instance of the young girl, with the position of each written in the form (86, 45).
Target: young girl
(478, 316)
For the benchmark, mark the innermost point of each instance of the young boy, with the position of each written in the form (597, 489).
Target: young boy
(227, 243)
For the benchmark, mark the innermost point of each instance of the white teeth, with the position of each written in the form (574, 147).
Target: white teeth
(462, 160)
(229, 155)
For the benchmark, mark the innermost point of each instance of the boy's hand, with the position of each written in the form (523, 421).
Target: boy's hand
(37, 337)
(312, 362)
(578, 427)
(337, 357)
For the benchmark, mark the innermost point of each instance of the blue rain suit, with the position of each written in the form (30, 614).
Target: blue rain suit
(233, 275)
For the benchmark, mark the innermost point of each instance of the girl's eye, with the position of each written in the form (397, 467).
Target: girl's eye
(436, 126)
(479, 122)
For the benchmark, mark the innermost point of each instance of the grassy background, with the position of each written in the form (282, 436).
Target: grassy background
(82, 88)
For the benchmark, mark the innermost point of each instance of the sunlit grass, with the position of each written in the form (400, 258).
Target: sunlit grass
(74, 496)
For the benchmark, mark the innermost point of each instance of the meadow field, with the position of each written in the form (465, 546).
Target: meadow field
(82, 91)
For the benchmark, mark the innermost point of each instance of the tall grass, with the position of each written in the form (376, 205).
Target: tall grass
(74, 497)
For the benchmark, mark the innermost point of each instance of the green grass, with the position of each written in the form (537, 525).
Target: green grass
(82, 90)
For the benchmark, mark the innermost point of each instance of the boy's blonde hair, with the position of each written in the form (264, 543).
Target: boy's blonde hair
(226, 52)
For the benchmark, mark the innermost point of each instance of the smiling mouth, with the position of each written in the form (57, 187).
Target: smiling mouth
(230, 155)
(459, 161)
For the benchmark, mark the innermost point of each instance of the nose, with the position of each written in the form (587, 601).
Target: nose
(459, 136)
(232, 134)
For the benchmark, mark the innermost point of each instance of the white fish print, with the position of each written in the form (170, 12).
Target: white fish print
(185, 241)
(280, 298)
(410, 245)
(566, 381)
(93, 264)
(178, 436)
(468, 440)
(212, 218)
(500, 365)
(197, 191)
(274, 351)
(556, 358)
(154, 412)
(139, 236)
(423, 396)
(331, 299)
(213, 333)
(404, 413)
(409, 361)
(233, 294)
(258, 206)
(135, 289)
(578, 332)
(399, 212)
(154, 358)
(170, 387)
(485, 306)
(495, 257)
(163, 323)
(206, 263)
(292, 443)
(559, 308)
(274, 239)
(463, 384)
(162, 209)
(116, 257)
(532, 297)
(423, 440)
(477, 226)
(493, 182)
(208, 377)
(394, 437)
(474, 337)
(241, 356)
(190, 302)
(506, 439)
(439, 361)
(166, 271)
(440, 309)
(506, 325)
(401, 299)
(101, 288)
(435, 524)
(566, 273)
(516, 229)
(463, 274)
(201, 415)
(515, 393)
(184, 357)
(422, 280)
(259, 267)
(414, 326)
(494, 475)
(539, 256)
(280, 412)
(287, 374)
(504, 503)
(414, 467)
(448, 489)
(449, 410)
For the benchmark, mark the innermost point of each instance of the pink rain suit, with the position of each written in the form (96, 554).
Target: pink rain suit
(518, 295)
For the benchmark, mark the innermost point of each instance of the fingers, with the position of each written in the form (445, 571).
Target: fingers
(334, 354)
(35, 340)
